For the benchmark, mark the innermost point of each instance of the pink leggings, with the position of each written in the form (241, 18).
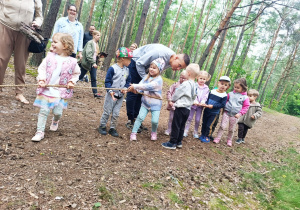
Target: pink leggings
(232, 123)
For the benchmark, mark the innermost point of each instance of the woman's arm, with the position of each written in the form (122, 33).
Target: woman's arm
(38, 13)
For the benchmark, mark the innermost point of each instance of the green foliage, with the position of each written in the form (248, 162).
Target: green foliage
(174, 197)
(293, 104)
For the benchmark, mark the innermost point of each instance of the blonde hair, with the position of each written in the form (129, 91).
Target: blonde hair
(194, 69)
(67, 42)
(183, 73)
(253, 92)
(208, 76)
(95, 32)
(148, 75)
(135, 45)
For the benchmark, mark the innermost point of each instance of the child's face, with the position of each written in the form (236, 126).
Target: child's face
(223, 86)
(126, 61)
(57, 46)
(202, 79)
(153, 70)
(238, 88)
(252, 97)
(182, 78)
(96, 37)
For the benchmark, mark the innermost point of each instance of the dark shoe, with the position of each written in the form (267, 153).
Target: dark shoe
(179, 145)
(239, 141)
(113, 132)
(143, 128)
(85, 78)
(97, 95)
(129, 124)
(211, 138)
(168, 145)
(102, 130)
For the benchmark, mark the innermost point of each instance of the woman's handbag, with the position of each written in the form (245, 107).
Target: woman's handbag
(35, 47)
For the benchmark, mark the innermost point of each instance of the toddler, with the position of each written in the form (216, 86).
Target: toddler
(151, 85)
(58, 68)
(183, 99)
(237, 105)
(247, 121)
(117, 76)
(201, 98)
(216, 100)
(171, 106)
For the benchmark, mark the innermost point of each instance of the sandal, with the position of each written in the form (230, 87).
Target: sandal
(22, 99)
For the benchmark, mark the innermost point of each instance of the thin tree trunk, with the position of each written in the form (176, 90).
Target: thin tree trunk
(123, 26)
(101, 16)
(240, 39)
(44, 4)
(221, 71)
(127, 23)
(147, 27)
(207, 62)
(162, 21)
(77, 3)
(116, 33)
(65, 11)
(178, 11)
(46, 8)
(142, 22)
(130, 29)
(110, 21)
(191, 21)
(115, 19)
(79, 10)
(149, 40)
(88, 23)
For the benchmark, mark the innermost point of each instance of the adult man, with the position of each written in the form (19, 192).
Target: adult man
(88, 35)
(142, 57)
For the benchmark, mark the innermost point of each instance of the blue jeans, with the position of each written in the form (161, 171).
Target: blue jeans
(141, 117)
(93, 73)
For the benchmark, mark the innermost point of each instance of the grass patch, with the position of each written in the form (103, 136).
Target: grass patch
(168, 81)
(174, 198)
(105, 194)
(270, 111)
(154, 186)
(32, 72)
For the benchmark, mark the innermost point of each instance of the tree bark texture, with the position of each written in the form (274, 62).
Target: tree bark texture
(79, 10)
(149, 40)
(175, 23)
(162, 20)
(112, 13)
(88, 23)
(142, 22)
(130, 29)
(66, 8)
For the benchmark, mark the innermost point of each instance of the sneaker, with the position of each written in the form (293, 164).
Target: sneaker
(185, 134)
(205, 140)
(211, 138)
(202, 137)
(239, 141)
(229, 143)
(153, 136)
(167, 133)
(85, 78)
(102, 130)
(54, 125)
(129, 124)
(97, 95)
(38, 136)
(216, 140)
(143, 128)
(113, 132)
(124, 100)
(133, 137)
(179, 145)
(168, 145)
(196, 136)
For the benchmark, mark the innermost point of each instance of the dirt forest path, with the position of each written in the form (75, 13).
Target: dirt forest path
(77, 168)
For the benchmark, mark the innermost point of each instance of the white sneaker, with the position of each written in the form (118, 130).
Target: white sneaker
(185, 134)
(54, 125)
(167, 133)
(38, 136)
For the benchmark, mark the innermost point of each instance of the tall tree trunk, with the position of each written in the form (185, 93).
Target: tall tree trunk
(110, 22)
(127, 23)
(216, 35)
(47, 27)
(162, 21)
(240, 39)
(146, 27)
(101, 16)
(123, 26)
(142, 22)
(88, 23)
(79, 10)
(149, 40)
(45, 11)
(77, 4)
(178, 11)
(197, 28)
(44, 4)
(116, 33)
(217, 53)
(130, 29)
(271, 72)
(65, 11)
(191, 21)
(267, 59)
(115, 19)
(221, 71)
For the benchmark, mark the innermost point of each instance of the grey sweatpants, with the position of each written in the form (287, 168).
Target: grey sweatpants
(111, 106)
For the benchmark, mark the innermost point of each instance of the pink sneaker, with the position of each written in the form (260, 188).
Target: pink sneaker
(229, 143)
(54, 125)
(216, 141)
(153, 136)
(133, 137)
(38, 136)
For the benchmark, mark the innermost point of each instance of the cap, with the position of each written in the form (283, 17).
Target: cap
(124, 52)
(160, 63)
(224, 78)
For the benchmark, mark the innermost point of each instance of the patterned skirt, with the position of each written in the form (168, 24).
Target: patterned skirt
(48, 102)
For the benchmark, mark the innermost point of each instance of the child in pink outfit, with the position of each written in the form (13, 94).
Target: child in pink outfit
(237, 105)
(202, 95)
(171, 106)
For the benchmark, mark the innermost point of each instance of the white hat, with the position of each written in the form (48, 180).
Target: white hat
(224, 78)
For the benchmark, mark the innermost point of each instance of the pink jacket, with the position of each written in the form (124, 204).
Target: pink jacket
(202, 95)
(170, 93)
(70, 72)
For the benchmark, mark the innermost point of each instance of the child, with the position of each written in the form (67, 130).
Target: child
(216, 100)
(237, 105)
(117, 77)
(170, 93)
(151, 85)
(183, 97)
(89, 60)
(58, 68)
(247, 121)
(202, 95)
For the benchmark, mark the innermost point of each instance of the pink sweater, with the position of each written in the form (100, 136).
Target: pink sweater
(170, 93)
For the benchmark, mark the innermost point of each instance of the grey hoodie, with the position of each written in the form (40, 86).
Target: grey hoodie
(185, 94)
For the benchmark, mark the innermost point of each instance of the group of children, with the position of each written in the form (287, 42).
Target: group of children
(186, 97)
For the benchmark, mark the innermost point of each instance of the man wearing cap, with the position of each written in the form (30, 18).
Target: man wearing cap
(142, 57)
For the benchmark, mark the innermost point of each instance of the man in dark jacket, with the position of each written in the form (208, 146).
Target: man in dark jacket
(88, 35)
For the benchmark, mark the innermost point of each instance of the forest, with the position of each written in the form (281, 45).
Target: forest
(258, 40)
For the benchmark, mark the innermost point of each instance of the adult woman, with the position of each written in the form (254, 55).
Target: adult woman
(71, 26)
(12, 13)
